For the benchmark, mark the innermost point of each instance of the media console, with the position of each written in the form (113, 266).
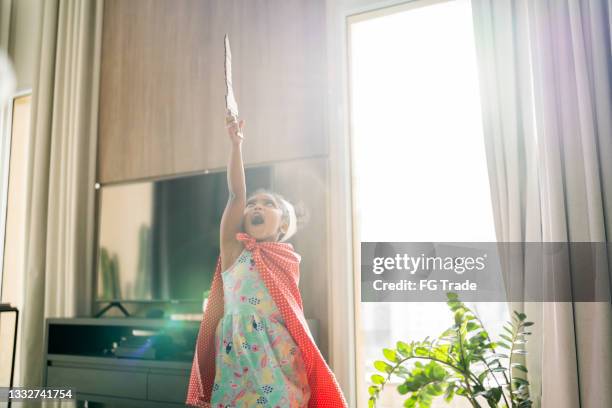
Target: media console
(83, 354)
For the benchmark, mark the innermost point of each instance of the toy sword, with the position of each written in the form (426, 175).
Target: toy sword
(230, 100)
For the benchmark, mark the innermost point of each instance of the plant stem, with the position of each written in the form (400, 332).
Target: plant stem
(487, 364)
(497, 382)
(490, 343)
(466, 373)
(514, 336)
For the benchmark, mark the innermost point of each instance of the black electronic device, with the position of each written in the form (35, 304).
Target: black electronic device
(158, 241)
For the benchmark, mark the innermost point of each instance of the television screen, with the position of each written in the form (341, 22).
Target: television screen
(159, 240)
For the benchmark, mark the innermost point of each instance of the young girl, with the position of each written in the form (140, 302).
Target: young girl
(254, 348)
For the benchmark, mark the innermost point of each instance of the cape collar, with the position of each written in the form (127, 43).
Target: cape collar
(268, 247)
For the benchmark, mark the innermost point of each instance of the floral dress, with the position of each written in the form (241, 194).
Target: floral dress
(258, 363)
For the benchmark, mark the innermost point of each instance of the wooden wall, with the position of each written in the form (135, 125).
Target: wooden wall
(162, 103)
(162, 88)
(306, 181)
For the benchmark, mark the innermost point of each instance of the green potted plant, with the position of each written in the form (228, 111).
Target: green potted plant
(463, 361)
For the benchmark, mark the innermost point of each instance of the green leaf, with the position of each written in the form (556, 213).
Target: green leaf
(421, 351)
(438, 373)
(436, 389)
(403, 388)
(450, 334)
(477, 388)
(527, 324)
(502, 344)
(450, 392)
(442, 353)
(519, 367)
(477, 341)
(459, 317)
(371, 402)
(508, 339)
(461, 391)
(520, 316)
(404, 348)
(411, 402)
(390, 355)
(497, 355)
(402, 371)
(382, 366)
(424, 400)
(496, 393)
(377, 379)
(372, 390)
(471, 326)
(520, 381)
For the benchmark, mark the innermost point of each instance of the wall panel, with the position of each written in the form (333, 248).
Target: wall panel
(162, 89)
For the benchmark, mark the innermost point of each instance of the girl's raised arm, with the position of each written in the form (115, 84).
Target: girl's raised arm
(231, 221)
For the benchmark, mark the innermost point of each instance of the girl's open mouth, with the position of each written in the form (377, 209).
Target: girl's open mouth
(257, 219)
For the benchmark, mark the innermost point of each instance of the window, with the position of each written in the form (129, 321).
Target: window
(14, 133)
(419, 164)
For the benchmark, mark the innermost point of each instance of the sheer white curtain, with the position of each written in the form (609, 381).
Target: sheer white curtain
(60, 175)
(545, 77)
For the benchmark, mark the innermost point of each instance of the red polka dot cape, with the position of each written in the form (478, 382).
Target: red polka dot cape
(278, 265)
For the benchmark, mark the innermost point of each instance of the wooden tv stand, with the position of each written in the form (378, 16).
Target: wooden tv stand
(78, 355)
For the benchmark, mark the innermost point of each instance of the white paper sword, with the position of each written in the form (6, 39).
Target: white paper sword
(230, 100)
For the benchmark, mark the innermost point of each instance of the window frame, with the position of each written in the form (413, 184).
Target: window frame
(344, 244)
(6, 140)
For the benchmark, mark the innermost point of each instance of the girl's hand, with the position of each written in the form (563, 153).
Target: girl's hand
(234, 128)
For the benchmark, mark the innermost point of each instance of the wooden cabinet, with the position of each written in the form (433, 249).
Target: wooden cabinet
(77, 357)
(93, 379)
(162, 89)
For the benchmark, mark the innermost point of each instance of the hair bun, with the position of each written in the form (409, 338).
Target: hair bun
(302, 214)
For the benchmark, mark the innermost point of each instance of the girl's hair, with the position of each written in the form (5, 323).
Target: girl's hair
(302, 214)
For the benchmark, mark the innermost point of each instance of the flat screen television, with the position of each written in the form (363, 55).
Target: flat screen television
(159, 240)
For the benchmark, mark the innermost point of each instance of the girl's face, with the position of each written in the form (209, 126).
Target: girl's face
(263, 218)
